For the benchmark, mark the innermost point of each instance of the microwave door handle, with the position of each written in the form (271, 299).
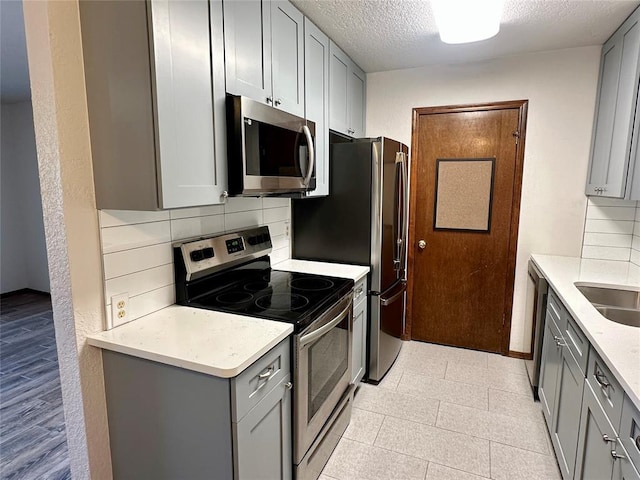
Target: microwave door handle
(312, 155)
(310, 337)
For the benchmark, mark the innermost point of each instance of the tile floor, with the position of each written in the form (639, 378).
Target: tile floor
(445, 413)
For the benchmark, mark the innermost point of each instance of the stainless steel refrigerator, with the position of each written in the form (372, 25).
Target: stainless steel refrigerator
(364, 221)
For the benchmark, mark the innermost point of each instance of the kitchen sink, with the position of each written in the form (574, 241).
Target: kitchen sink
(616, 304)
(624, 316)
(611, 296)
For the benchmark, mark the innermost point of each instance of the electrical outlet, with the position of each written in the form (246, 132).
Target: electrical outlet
(119, 308)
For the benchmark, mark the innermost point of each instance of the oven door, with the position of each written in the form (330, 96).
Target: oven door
(322, 372)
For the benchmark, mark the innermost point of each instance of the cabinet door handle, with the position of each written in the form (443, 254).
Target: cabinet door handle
(607, 439)
(602, 380)
(616, 455)
(278, 102)
(559, 341)
(288, 385)
(269, 100)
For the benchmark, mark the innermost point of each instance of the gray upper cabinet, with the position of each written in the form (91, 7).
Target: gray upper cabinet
(347, 94)
(611, 151)
(154, 75)
(316, 91)
(264, 43)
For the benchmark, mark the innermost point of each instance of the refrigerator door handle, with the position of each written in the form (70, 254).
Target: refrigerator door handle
(399, 220)
(405, 211)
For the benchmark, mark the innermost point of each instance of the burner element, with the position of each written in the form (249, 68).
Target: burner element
(256, 286)
(232, 298)
(282, 302)
(310, 284)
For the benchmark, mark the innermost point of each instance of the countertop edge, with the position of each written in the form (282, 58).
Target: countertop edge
(308, 266)
(628, 389)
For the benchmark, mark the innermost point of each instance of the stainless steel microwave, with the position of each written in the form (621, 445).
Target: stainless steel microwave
(269, 151)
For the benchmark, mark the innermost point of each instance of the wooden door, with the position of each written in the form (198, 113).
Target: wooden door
(465, 199)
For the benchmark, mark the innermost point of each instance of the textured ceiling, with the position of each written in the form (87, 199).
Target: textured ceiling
(392, 34)
(14, 71)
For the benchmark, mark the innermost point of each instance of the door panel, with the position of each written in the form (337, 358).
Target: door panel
(462, 280)
(338, 81)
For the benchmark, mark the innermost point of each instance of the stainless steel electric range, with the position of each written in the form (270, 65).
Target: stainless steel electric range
(232, 273)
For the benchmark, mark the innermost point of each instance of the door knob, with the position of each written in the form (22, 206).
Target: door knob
(422, 244)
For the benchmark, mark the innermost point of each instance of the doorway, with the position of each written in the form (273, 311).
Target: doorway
(466, 182)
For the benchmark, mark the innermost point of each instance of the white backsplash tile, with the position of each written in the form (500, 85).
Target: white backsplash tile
(139, 282)
(609, 229)
(114, 218)
(182, 228)
(235, 221)
(126, 237)
(130, 261)
(137, 252)
(196, 211)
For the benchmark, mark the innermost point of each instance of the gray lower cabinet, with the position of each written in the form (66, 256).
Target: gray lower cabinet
(549, 368)
(154, 74)
(612, 151)
(596, 441)
(359, 351)
(167, 422)
(262, 439)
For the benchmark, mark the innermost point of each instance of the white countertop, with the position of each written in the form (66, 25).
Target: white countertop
(214, 343)
(356, 272)
(618, 345)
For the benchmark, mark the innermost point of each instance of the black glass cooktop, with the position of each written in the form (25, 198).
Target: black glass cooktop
(296, 298)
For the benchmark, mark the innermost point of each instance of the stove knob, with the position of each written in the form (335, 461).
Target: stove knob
(196, 255)
(253, 240)
(208, 252)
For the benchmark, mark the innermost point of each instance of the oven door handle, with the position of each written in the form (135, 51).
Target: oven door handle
(310, 337)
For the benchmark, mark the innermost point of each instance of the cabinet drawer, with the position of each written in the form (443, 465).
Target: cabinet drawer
(556, 311)
(360, 291)
(629, 431)
(252, 385)
(605, 387)
(577, 343)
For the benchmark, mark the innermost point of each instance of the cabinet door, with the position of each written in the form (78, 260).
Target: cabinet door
(263, 438)
(633, 182)
(287, 57)
(338, 90)
(567, 413)
(549, 368)
(183, 52)
(316, 101)
(357, 101)
(359, 352)
(247, 47)
(189, 101)
(623, 469)
(594, 460)
(617, 95)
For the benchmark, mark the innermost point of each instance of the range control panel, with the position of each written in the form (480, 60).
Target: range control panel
(205, 255)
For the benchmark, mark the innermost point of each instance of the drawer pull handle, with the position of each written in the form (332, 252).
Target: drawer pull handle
(602, 380)
(616, 455)
(559, 341)
(606, 438)
(266, 374)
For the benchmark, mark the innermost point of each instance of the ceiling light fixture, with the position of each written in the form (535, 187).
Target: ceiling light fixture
(465, 21)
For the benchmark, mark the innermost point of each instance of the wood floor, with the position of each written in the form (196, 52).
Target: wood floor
(33, 442)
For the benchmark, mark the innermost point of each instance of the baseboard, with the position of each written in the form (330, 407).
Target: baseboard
(521, 355)
(23, 291)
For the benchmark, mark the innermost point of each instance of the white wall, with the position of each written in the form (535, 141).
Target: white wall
(561, 89)
(137, 254)
(22, 245)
